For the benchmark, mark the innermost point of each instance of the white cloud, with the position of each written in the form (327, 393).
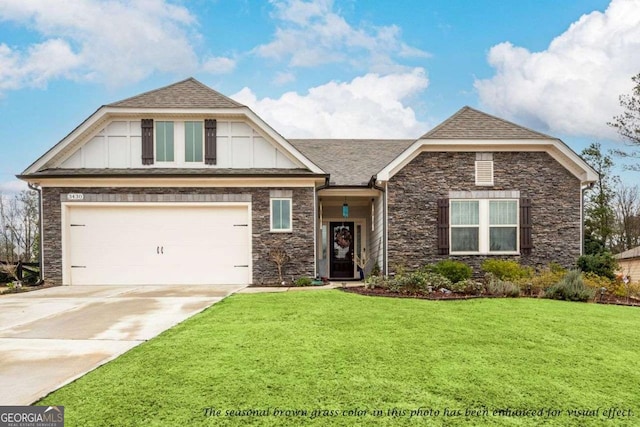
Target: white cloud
(284, 77)
(311, 33)
(219, 65)
(370, 106)
(8, 188)
(572, 87)
(114, 41)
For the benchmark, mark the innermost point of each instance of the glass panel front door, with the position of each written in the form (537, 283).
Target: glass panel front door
(341, 253)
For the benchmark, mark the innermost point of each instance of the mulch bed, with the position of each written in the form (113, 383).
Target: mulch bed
(437, 295)
(25, 288)
(443, 296)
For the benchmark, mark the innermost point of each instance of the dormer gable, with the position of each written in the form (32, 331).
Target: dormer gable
(183, 125)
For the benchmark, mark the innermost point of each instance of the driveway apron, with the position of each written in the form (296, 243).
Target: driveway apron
(51, 337)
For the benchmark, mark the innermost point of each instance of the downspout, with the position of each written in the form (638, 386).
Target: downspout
(41, 230)
(385, 239)
(583, 188)
(315, 224)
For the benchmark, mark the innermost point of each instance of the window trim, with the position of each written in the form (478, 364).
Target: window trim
(280, 230)
(484, 227)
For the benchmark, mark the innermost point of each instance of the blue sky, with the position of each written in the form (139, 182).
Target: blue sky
(320, 68)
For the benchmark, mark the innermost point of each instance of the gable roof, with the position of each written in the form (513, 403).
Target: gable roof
(471, 130)
(351, 162)
(189, 93)
(469, 123)
(183, 99)
(631, 253)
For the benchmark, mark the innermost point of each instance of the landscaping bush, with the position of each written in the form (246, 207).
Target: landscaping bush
(603, 264)
(571, 288)
(595, 282)
(455, 271)
(544, 279)
(502, 288)
(303, 281)
(506, 269)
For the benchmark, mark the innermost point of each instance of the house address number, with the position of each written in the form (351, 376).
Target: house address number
(75, 196)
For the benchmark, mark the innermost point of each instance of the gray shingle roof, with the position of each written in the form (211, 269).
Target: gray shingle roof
(631, 253)
(469, 123)
(351, 161)
(189, 93)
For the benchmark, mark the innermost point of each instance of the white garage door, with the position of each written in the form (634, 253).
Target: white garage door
(158, 244)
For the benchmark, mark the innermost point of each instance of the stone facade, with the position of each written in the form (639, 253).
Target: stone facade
(412, 205)
(298, 243)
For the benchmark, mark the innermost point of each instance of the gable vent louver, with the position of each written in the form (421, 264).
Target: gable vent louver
(484, 172)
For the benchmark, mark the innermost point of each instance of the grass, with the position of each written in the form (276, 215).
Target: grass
(343, 352)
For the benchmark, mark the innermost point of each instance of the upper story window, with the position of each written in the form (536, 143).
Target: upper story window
(164, 142)
(484, 226)
(193, 142)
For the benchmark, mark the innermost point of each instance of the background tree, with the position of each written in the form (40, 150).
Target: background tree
(627, 212)
(19, 227)
(628, 124)
(599, 215)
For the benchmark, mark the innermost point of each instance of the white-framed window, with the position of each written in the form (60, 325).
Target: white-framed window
(485, 226)
(193, 142)
(164, 142)
(281, 210)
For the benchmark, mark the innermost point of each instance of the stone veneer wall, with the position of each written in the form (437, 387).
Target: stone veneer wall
(299, 243)
(412, 205)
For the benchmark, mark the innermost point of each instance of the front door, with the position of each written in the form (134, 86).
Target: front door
(341, 246)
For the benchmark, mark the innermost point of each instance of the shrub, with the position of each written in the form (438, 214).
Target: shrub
(502, 288)
(375, 271)
(506, 270)
(374, 281)
(596, 282)
(571, 288)
(303, 281)
(603, 264)
(544, 279)
(455, 271)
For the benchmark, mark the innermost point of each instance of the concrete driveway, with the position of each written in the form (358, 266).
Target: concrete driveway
(50, 337)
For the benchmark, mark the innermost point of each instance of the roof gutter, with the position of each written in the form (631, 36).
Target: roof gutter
(31, 177)
(372, 184)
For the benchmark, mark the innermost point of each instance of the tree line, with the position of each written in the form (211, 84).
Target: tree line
(612, 208)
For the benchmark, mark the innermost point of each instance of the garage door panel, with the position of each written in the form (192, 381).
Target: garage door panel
(159, 244)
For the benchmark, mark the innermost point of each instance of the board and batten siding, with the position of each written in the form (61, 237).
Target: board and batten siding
(119, 145)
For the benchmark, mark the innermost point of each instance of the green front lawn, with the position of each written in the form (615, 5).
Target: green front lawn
(353, 355)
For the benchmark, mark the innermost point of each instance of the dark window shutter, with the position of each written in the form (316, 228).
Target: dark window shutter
(526, 243)
(147, 141)
(443, 226)
(210, 135)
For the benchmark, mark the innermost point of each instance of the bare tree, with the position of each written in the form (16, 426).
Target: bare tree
(280, 258)
(628, 124)
(19, 226)
(627, 212)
